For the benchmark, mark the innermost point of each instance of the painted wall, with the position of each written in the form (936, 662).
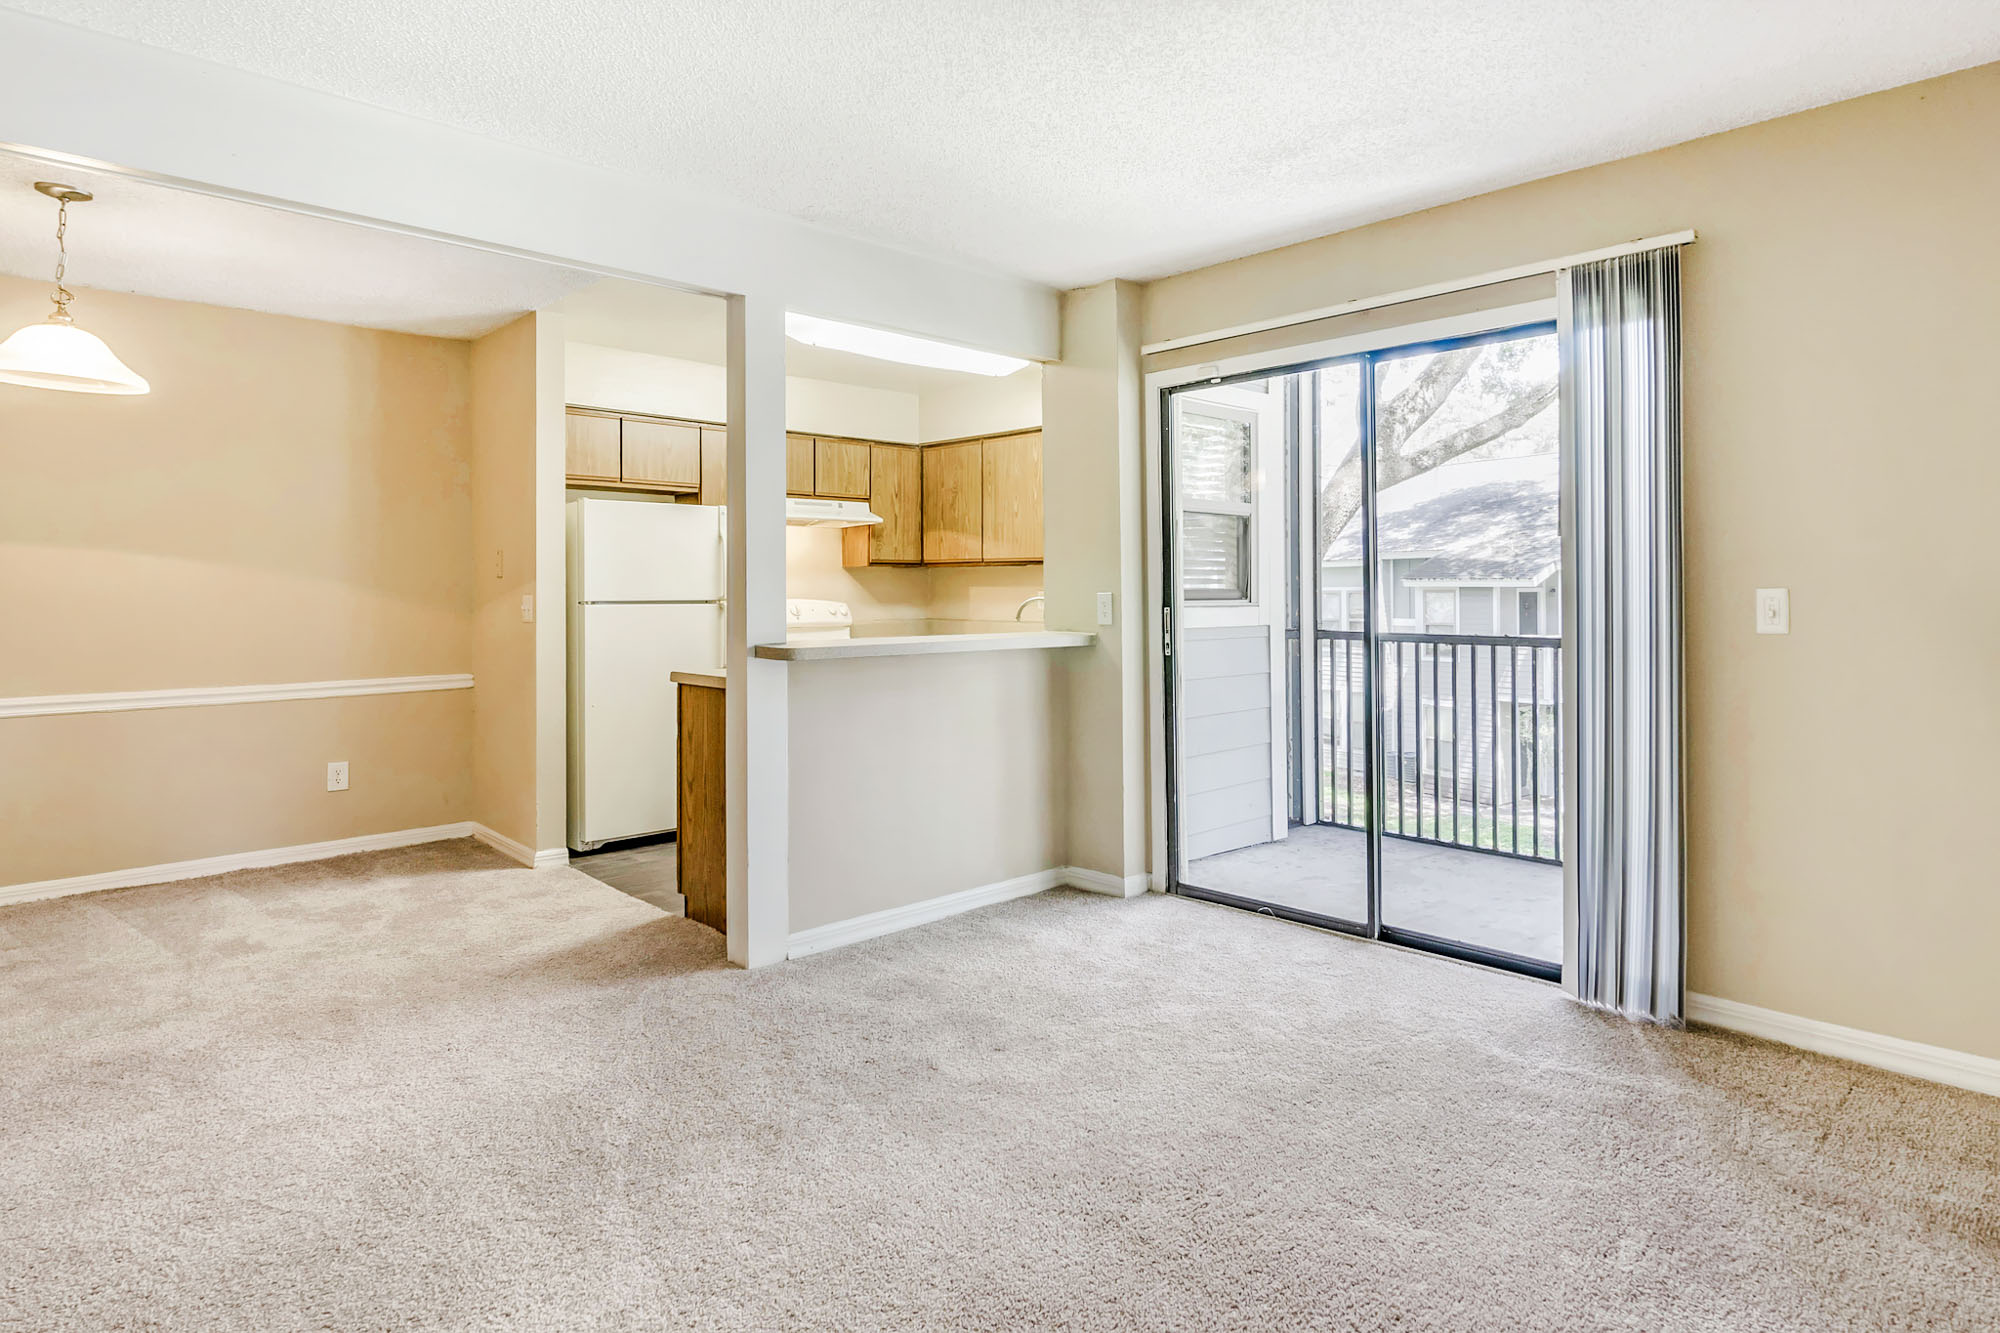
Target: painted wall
(1840, 400)
(627, 381)
(518, 744)
(1094, 524)
(291, 503)
(915, 777)
(982, 405)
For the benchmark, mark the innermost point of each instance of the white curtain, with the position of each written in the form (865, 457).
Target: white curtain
(1621, 416)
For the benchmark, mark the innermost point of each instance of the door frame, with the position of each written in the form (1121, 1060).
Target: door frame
(1161, 593)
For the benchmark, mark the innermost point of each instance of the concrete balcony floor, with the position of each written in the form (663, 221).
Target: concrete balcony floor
(1492, 902)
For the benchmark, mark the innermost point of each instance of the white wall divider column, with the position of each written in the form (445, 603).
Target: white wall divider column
(758, 791)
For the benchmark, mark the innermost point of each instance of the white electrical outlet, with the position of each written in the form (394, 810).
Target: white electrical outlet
(336, 775)
(1105, 607)
(1774, 611)
(528, 608)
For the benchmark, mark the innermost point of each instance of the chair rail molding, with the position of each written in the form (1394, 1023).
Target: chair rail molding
(210, 696)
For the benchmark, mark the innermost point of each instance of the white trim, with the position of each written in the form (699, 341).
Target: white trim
(520, 851)
(1938, 1064)
(821, 938)
(1098, 881)
(202, 867)
(1477, 280)
(208, 696)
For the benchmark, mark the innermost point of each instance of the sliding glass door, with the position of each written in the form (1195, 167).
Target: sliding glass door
(1367, 557)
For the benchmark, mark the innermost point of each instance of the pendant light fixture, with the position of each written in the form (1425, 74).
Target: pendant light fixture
(56, 354)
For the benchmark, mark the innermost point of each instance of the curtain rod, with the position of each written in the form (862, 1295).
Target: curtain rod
(1497, 275)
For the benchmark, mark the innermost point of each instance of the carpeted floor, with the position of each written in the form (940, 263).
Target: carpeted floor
(423, 1089)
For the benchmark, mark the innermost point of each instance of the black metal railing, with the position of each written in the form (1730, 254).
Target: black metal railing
(1471, 739)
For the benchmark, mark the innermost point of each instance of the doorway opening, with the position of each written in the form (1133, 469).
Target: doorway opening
(1364, 644)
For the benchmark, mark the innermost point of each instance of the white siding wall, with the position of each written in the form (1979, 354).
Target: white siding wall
(1225, 739)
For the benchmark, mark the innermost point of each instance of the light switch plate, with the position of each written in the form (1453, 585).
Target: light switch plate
(336, 775)
(1774, 610)
(1106, 605)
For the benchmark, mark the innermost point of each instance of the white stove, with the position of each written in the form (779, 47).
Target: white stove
(808, 620)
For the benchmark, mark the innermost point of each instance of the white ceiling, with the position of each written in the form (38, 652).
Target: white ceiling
(1073, 142)
(136, 236)
(641, 317)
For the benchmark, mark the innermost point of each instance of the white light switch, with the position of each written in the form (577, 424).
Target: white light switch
(1105, 607)
(1774, 610)
(528, 607)
(336, 775)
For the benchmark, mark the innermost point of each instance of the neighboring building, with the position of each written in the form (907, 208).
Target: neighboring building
(1472, 547)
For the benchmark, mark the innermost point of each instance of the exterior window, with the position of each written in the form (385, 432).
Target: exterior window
(1355, 608)
(1531, 613)
(1440, 610)
(1216, 476)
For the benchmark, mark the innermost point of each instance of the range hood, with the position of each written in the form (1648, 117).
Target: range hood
(801, 513)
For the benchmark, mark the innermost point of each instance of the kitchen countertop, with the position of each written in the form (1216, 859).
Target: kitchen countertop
(913, 645)
(712, 680)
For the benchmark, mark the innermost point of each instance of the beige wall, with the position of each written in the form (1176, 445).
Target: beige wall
(290, 503)
(504, 741)
(915, 777)
(1094, 521)
(1841, 397)
(981, 405)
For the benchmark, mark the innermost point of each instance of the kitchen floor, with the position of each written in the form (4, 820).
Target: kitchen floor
(646, 870)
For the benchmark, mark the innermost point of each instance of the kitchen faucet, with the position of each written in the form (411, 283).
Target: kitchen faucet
(1030, 602)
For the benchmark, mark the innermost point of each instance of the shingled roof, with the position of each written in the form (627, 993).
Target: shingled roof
(1493, 520)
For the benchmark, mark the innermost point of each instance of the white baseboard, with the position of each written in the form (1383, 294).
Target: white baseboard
(1098, 881)
(1936, 1063)
(204, 866)
(821, 938)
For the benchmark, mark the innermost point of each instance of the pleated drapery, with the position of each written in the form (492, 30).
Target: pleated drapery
(1621, 415)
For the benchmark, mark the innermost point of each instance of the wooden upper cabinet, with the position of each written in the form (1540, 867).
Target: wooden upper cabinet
(840, 469)
(895, 495)
(798, 465)
(663, 455)
(592, 448)
(1011, 485)
(953, 509)
(714, 465)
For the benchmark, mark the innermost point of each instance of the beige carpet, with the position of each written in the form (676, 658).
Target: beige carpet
(421, 1089)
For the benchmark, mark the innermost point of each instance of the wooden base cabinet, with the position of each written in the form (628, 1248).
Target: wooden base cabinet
(702, 826)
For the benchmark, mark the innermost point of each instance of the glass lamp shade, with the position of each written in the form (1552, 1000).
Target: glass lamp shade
(58, 355)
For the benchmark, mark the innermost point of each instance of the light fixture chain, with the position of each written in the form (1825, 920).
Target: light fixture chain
(62, 295)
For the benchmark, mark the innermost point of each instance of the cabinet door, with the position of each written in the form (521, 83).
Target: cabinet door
(592, 448)
(662, 455)
(1012, 485)
(798, 465)
(895, 494)
(840, 469)
(714, 465)
(952, 506)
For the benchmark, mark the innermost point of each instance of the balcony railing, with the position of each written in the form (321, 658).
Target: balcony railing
(1471, 739)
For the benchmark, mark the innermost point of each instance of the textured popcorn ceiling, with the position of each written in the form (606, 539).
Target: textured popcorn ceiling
(1072, 140)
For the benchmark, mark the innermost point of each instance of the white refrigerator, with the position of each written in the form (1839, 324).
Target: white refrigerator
(645, 600)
